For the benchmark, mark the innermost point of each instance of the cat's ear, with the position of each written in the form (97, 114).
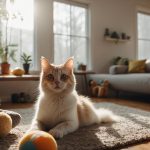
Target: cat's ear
(69, 64)
(44, 63)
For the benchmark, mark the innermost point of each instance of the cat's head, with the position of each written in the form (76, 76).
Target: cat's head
(57, 78)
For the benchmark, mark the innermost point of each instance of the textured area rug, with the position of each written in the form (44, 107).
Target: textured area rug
(133, 128)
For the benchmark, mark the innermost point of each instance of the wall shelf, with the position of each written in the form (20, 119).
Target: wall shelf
(116, 40)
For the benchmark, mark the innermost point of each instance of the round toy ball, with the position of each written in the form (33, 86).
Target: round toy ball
(5, 124)
(17, 71)
(37, 140)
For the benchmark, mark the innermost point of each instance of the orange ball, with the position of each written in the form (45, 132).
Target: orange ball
(37, 140)
(5, 124)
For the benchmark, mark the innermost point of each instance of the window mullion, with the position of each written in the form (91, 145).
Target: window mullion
(77, 41)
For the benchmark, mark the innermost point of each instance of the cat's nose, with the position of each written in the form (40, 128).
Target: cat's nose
(57, 82)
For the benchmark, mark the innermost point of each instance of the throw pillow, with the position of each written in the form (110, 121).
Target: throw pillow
(148, 66)
(136, 66)
(119, 61)
(115, 60)
(122, 61)
(118, 69)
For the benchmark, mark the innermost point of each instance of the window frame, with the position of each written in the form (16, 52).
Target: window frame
(142, 10)
(87, 37)
(20, 30)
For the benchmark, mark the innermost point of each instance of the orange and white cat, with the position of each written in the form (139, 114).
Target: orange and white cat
(60, 110)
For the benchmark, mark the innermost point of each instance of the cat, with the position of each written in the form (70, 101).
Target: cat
(59, 109)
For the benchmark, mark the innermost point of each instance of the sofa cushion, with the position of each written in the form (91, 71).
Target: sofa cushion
(137, 66)
(120, 61)
(118, 69)
(148, 66)
(130, 82)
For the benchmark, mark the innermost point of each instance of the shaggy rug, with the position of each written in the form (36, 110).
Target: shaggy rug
(133, 128)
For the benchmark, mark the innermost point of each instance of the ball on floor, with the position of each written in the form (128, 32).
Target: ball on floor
(5, 124)
(37, 140)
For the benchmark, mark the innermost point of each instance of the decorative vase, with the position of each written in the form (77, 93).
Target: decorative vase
(107, 33)
(5, 68)
(26, 68)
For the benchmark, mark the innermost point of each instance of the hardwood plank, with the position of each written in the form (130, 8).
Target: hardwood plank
(126, 102)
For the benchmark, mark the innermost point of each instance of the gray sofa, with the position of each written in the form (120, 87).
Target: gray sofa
(133, 82)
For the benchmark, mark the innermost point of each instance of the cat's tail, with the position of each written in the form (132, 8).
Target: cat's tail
(105, 116)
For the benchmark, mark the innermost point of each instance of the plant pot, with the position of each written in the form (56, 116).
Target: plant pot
(26, 68)
(5, 68)
(82, 67)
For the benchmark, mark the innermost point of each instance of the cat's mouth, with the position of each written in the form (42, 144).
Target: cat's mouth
(57, 87)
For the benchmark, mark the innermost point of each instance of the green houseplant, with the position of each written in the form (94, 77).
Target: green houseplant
(7, 50)
(5, 54)
(26, 59)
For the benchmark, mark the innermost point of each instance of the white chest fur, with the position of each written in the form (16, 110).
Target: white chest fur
(55, 109)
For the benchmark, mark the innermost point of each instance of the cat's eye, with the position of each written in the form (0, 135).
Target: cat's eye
(64, 77)
(50, 77)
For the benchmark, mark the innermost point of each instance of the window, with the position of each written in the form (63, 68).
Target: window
(70, 32)
(20, 29)
(143, 35)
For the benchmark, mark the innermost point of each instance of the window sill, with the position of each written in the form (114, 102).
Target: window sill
(19, 78)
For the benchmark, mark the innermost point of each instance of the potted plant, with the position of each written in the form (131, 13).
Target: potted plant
(26, 59)
(7, 50)
(82, 67)
(6, 54)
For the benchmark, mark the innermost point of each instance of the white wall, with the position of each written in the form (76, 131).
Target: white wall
(119, 15)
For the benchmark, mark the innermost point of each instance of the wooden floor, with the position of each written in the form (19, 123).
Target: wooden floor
(127, 102)
(132, 103)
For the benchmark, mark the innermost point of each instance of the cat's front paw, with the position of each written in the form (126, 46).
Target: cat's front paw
(56, 133)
